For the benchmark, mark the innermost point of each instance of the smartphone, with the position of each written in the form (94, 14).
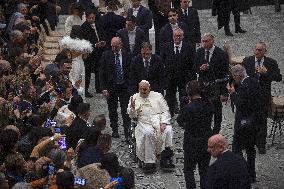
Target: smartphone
(51, 169)
(118, 179)
(80, 181)
(57, 130)
(62, 143)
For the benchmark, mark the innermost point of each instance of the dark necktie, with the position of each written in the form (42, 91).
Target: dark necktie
(207, 53)
(147, 64)
(185, 12)
(177, 49)
(259, 63)
(119, 71)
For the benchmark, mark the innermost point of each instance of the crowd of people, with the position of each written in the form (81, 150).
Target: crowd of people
(46, 138)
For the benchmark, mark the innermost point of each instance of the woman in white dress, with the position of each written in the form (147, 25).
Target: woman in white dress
(79, 48)
(76, 17)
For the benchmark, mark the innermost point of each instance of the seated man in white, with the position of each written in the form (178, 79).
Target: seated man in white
(153, 132)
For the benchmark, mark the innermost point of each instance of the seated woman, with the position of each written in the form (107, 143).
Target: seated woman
(92, 149)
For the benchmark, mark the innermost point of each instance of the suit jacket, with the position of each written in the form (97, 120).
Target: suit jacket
(110, 24)
(144, 18)
(75, 132)
(196, 119)
(218, 67)
(155, 75)
(140, 37)
(273, 74)
(192, 21)
(178, 67)
(166, 34)
(247, 102)
(228, 171)
(108, 70)
(88, 33)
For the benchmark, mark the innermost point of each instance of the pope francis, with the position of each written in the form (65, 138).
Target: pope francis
(153, 132)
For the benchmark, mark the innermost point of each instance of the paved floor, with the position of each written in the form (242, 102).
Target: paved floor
(264, 25)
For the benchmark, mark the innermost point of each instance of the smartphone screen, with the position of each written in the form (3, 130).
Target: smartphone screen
(57, 130)
(62, 143)
(80, 181)
(50, 169)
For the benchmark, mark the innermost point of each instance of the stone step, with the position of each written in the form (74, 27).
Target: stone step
(51, 51)
(56, 34)
(48, 45)
(52, 39)
(49, 58)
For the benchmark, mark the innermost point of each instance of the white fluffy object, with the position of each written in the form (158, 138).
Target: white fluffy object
(80, 45)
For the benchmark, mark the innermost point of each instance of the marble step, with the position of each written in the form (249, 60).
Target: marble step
(56, 34)
(52, 39)
(49, 58)
(48, 45)
(51, 51)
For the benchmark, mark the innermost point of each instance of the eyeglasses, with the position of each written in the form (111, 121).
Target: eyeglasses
(172, 15)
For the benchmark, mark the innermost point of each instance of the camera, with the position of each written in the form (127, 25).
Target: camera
(80, 181)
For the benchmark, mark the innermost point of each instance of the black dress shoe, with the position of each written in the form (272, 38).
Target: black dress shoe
(88, 95)
(240, 30)
(261, 150)
(167, 165)
(149, 168)
(228, 33)
(115, 135)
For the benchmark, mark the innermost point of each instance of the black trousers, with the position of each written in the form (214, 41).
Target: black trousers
(172, 86)
(217, 115)
(193, 157)
(120, 93)
(262, 128)
(239, 143)
(237, 19)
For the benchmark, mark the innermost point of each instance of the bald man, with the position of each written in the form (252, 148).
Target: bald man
(114, 76)
(229, 170)
(153, 132)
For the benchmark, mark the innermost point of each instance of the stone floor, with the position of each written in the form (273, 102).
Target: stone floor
(264, 25)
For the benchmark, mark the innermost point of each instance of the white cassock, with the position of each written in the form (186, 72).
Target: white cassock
(150, 113)
(70, 22)
(78, 73)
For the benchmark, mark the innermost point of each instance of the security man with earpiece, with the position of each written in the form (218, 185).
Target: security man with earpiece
(196, 119)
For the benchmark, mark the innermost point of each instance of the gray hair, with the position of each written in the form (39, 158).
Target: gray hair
(178, 30)
(21, 5)
(146, 45)
(239, 70)
(15, 33)
(21, 185)
(262, 44)
(208, 35)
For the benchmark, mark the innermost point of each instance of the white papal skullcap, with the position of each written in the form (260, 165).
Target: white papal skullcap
(145, 82)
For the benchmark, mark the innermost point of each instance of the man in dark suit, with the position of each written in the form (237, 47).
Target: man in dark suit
(91, 31)
(223, 9)
(79, 125)
(159, 10)
(212, 63)
(149, 67)
(114, 75)
(166, 33)
(143, 16)
(111, 23)
(189, 16)
(244, 92)
(265, 70)
(132, 36)
(196, 118)
(178, 58)
(229, 170)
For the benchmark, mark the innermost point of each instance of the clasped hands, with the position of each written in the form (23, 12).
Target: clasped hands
(261, 69)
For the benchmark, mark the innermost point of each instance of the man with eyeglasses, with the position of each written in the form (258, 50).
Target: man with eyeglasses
(211, 64)
(114, 77)
(265, 70)
(166, 33)
(147, 66)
